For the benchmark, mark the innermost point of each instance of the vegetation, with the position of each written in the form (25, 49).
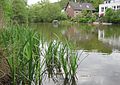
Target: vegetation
(46, 12)
(19, 11)
(32, 58)
(63, 3)
(14, 10)
(28, 56)
(5, 11)
(85, 17)
(112, 16)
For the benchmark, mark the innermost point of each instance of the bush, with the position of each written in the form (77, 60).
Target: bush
(85, 17)
(46, 12)
(111, 16)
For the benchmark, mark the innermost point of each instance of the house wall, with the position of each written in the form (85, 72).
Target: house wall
(70, 11)
(103, 7)
(111, 1)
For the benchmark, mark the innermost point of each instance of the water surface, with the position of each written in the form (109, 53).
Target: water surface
(101, 45)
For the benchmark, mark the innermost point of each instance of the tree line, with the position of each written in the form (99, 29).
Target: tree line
(17, 11)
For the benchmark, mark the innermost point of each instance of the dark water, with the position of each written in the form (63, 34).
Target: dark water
(100, 43)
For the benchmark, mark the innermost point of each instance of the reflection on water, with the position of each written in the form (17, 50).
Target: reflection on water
(102, 44)
(113, 41)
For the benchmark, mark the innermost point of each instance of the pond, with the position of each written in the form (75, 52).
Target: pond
(101, 45)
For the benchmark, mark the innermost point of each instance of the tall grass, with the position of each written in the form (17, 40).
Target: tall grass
(30, 58)
(22, 48)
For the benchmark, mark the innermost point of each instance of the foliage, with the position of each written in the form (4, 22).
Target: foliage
(85, 17)
(5, 9)
(45, 12)
(112, 16)
(14, 10)
(22, 57)
(63, 3)
(20, 13)
(96, 3)
(30, 57)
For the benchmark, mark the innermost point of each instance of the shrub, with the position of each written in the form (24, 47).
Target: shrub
(112, 16)
(85, 17)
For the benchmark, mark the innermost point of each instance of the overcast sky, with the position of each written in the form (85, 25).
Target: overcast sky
(34, 1)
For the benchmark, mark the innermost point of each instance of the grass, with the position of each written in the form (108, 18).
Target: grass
(30, 57)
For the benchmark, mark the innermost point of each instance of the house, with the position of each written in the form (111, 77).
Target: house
(74, 8)
(114, 4)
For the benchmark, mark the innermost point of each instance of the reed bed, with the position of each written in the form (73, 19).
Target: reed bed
(31, 58)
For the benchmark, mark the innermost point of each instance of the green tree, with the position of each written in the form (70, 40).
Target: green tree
(45, 12)
(96, 3)
(5, 10)
(112, 16)
(20, 13)
(109, 15)
(63, 3)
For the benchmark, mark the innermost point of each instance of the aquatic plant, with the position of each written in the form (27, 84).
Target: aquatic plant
(22, 48)
(30, 57)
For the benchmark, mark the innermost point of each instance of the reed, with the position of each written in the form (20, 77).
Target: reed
(22, 48)
(30, 57)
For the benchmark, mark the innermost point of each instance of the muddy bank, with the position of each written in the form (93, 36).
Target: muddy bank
(4, 70)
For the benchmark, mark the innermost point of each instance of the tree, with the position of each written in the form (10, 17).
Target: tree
(96, 3)
(45, 12)
(112, 16)
(63, 3)
(5, 10)
(20, 13)
(109, 15)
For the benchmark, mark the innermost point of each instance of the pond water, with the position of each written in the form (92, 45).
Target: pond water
(101, 45)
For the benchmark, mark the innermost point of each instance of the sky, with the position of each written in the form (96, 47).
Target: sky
(35, 1)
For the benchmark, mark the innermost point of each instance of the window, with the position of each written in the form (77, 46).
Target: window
(118, 7)
(76, 12)
(114, 7)
(105, 7)
(102, 9)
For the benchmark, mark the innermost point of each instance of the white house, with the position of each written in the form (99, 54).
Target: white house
(114, 4)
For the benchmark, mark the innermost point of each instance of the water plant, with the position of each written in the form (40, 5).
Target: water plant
(31, 58)
(22, 48)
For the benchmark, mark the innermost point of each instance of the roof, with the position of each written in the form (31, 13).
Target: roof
(81, 6)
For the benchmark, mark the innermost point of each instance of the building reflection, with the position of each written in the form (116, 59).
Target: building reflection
(73, 34)
(112, 41)
(87, 39)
